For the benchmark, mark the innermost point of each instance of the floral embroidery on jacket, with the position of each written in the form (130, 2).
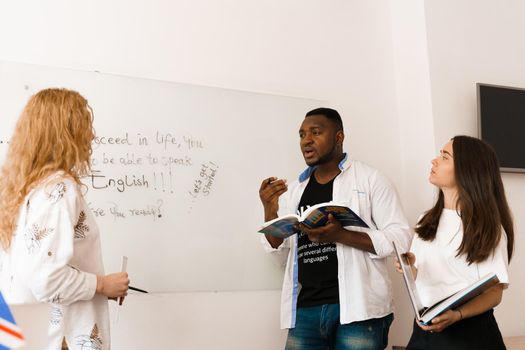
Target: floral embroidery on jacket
(81, 228)
(56, 299)
(90, 342)
(34, 235)
(58, 192)
(56, 315)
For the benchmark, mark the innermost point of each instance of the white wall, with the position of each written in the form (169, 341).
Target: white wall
(339, 52)
(416, 132)
(226, 320)
(480, 41)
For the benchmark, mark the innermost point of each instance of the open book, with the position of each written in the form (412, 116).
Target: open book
(425, 315)
(315, 216)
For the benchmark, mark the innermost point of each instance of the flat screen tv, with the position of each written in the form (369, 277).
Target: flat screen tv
(501, 122)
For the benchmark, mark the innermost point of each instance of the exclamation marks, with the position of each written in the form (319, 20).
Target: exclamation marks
(163, 181)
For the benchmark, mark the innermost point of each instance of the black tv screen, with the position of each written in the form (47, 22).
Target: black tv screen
(501, 113)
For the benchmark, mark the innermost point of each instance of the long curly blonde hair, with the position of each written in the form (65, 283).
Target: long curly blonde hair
(54, 133)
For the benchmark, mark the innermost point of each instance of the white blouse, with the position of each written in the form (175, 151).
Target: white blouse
(54, 257)
(440, 273)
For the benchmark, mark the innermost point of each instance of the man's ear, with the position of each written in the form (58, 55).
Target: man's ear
(340, 137)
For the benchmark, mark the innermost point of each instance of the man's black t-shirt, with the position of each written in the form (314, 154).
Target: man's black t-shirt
(317, 261)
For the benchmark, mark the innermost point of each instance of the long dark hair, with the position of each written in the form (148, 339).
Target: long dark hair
(481, 201)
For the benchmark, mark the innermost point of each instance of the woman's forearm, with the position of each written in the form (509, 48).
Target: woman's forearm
(483, 302)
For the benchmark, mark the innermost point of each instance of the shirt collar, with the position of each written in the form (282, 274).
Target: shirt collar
(343, 165)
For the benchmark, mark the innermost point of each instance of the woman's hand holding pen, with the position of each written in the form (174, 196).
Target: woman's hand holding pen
(114, 285)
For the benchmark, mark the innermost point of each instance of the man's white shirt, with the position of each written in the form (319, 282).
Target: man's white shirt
(364, 286)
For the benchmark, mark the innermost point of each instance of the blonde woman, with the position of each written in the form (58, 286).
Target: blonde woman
(51, 244)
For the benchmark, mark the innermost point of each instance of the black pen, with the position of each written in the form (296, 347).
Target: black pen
(137, 289)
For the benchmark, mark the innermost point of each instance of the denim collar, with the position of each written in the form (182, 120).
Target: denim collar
(343, 165)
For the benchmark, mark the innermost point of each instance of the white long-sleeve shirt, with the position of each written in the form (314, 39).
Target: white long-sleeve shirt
(364, 286)
(441, 273)
(54, 257)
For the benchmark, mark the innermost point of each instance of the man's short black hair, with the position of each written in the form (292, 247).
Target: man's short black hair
(330, 114)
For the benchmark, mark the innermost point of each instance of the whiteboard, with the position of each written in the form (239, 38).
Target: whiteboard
(176, 173)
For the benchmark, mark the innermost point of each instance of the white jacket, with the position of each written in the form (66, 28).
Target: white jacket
(364, 286)
(54, 257)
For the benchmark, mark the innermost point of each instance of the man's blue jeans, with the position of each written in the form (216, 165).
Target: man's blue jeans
(318, 328)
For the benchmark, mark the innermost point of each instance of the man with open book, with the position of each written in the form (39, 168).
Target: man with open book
(336, 291)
